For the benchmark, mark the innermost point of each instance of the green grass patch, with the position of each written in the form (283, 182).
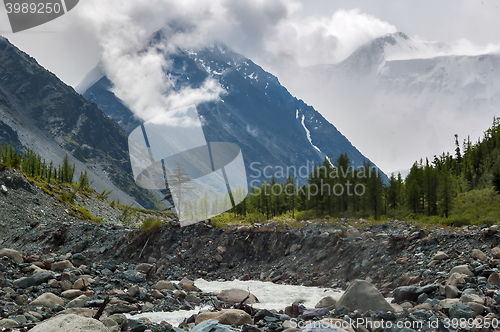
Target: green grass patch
(88, 216)
(149, 225)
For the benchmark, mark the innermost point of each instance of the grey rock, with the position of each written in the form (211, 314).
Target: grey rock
(432, 302)
(35, 280)
(144, 267)
(48, 300)
(496, 296)
(136, 325)
(120, 308)
(284, 317)
(234, 296)
(462, 310)
(193, 299)
(61, 266)
(70, 323)
(341, 311)
(363, 295)
(411, 293)
(440, 256)
(211, 325)
(261, 314)
(422, 298)
(12, 254)
(8, 323)
(79, 302)
(451, 291)
(106, 272)
(326, 302)
(31, 318)
(134, 276)
(479, 255)
(317, 312)
(462, 269)
(134, 291)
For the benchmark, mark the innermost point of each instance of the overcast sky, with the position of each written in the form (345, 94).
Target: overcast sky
(272, 33)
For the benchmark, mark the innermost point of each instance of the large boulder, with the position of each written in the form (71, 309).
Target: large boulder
(70, 323)
(234, 296)
(48, 300)
(227, 317)
(363, 295)
(12, 254)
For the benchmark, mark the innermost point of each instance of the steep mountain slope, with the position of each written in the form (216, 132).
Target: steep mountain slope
(50, 117)
(274, 129)
(408, 94)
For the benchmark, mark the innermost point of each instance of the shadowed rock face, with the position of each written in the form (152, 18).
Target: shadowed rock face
(36, 105)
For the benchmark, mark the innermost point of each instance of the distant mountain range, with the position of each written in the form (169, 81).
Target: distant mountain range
(403, 99)
(274, 129)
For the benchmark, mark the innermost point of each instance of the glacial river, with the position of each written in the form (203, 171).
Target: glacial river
(271, 296)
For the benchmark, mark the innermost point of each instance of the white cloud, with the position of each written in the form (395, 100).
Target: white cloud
(279, 35)
(265, 31)
(322, 39)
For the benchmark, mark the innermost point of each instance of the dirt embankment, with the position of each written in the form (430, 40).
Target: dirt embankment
(317, 254)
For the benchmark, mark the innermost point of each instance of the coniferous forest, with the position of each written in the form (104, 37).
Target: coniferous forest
(458, 188)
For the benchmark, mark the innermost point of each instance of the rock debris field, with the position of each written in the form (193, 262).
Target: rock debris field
(60, 273)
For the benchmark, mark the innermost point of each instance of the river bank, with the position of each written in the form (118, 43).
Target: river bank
(52, 264)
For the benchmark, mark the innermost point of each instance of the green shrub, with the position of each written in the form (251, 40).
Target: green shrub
(305, 215)
(104, 195)
(217, 223)
(150, 225)
(255, 217)
(67, 197)
(88, 216)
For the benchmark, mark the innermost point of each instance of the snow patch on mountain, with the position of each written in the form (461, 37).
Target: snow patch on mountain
(308, 134)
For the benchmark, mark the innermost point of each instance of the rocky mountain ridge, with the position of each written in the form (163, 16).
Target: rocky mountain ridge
(40, 112)
(273, 128)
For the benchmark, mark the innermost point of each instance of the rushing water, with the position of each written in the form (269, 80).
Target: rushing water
(271, 296)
